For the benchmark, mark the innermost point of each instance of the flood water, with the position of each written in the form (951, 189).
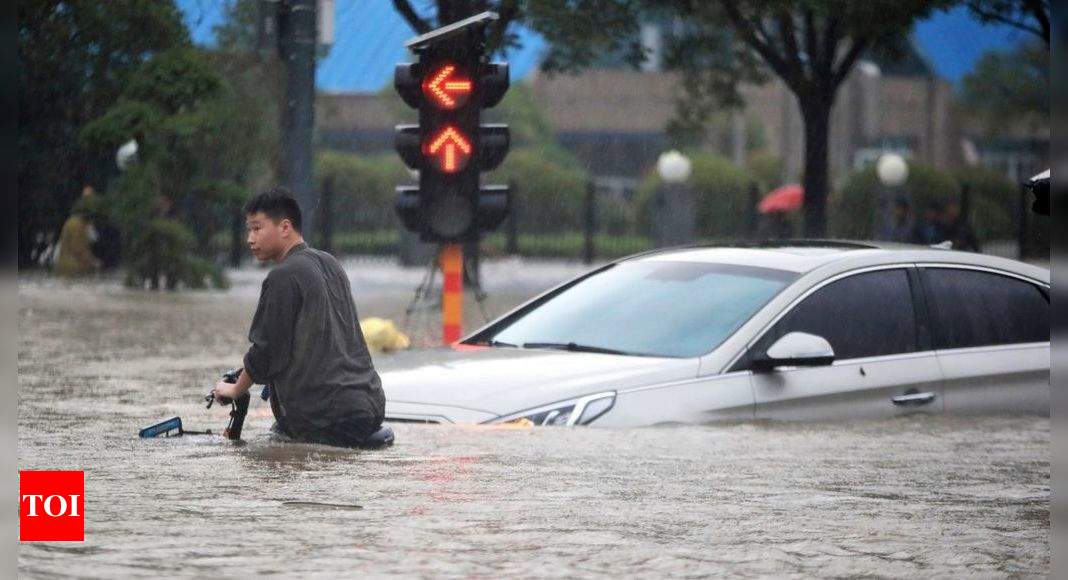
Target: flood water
(910, 497)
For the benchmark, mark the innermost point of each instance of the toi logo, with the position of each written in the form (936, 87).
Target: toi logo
(51, 506)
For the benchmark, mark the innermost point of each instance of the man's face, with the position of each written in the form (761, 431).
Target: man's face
(268, 239)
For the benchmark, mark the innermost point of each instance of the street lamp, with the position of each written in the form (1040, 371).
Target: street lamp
(674, 214)
(892, 171)
(674, 167)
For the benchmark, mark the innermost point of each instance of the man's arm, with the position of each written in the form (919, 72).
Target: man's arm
(224, 390)
(271, 333)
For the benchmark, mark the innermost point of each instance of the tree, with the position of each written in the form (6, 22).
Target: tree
(196, 143)
(74, 60)
(1031, 16)
(1010, 87)
(811, 45)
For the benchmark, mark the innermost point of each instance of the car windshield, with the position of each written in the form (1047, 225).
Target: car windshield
(650, 308)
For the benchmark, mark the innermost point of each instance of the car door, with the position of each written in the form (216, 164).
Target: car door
(991, 330)
(883, 362)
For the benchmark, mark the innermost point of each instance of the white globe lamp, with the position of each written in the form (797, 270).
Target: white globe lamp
(674, 167)
(892, 170)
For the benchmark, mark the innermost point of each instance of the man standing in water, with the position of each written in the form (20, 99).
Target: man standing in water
(307, 345)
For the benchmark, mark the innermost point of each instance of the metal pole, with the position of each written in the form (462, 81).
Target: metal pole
(751, 213)
(327, 213)
(589, 223)
(297, 47)
(452, 292)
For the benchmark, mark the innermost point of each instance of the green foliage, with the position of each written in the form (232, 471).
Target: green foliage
(529, 125)
(716, 46)
(75, 60)
(195, 140)
(852, 205)
(363, 188)
(548, 195)
(581, 34)
(992, 199)
(721, 196)
(1031, 16)
(766, 170)
(162, 249)
(1008, 87)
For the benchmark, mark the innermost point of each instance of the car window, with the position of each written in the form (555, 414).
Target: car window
(974, 308)
(659, 308)
(868, 314)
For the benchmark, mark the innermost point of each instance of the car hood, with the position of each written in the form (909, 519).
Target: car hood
(501, 381)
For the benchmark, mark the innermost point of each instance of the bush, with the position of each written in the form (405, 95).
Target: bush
(162, 251)
(850, 208)
(994, 201)
(364, 188)
(548, 194)
(721, 197)
(766, 170)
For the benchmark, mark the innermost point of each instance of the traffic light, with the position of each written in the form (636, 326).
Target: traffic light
(450, 147)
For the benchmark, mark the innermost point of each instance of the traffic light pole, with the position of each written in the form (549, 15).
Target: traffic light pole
(452, 292)
(450, 85)
(297, 46)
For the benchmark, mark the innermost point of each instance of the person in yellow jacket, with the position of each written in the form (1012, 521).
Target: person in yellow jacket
(75, 240)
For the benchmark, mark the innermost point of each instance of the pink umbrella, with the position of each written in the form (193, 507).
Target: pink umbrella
(786, 198)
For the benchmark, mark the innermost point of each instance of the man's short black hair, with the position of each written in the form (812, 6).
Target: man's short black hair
(278, 204)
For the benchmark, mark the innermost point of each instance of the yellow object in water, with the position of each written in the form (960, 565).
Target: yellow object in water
(382, 335)
(75, 258)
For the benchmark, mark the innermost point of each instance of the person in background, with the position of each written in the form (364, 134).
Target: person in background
(76, 239)
(930, 230)
(957, 229)
(900, 227)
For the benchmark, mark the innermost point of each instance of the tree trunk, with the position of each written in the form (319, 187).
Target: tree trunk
(817, 117)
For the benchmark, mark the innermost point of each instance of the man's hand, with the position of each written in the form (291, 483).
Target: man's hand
(225, 392)
(231, 391)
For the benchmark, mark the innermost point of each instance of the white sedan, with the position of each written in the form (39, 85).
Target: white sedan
(795, 331)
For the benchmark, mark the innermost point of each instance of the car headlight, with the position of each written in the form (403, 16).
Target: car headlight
(581, 411)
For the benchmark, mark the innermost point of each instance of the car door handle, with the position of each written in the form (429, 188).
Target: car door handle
(913, 399)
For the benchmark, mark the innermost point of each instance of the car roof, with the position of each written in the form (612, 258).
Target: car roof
(803, 256)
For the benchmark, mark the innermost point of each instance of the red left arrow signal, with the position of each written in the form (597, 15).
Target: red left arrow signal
(450, 148)
(446, 88)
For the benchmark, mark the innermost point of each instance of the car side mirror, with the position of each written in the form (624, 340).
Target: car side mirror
(795, 349)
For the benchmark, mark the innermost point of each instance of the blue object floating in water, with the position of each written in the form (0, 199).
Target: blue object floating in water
(164, 429)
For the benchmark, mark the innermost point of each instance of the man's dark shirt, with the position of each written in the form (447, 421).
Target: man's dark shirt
(308, 347)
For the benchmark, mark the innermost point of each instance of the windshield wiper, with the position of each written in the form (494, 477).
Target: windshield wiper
(493, 342)
(574, 347)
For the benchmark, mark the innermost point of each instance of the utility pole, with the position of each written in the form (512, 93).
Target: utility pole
(296, 45)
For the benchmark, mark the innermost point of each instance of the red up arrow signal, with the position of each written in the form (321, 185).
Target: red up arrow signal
(450, 148)
(446, 89)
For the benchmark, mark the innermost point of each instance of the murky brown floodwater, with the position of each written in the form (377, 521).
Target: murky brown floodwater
(912, 497)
